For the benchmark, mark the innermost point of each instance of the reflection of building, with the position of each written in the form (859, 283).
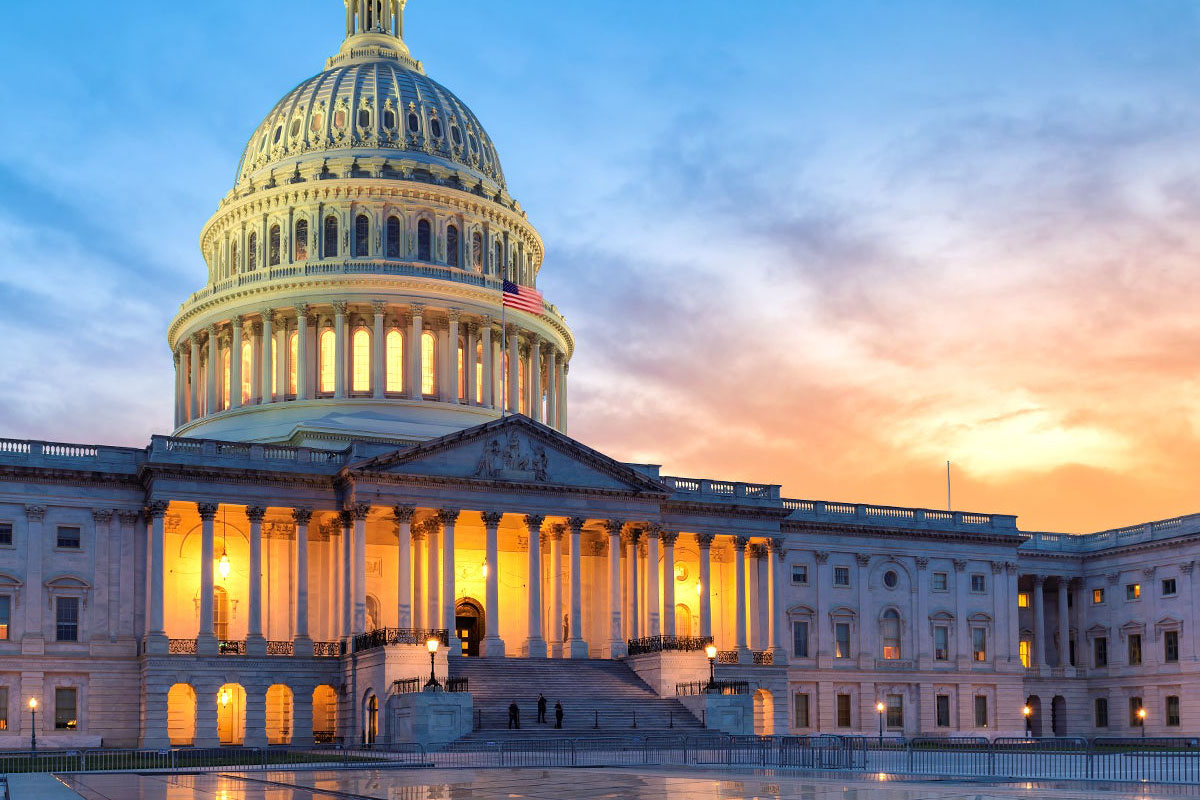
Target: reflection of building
(339, 398)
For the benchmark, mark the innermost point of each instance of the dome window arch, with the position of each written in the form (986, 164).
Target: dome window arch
(456, 135)
(452, 246)
(301, 240)
(360, 349)
(296, 126)
(274, 246)
(414, 123)
(339, 119)
(477, 251)
(364, 118)
(251, 252)
(389, 119)
(278, 134)
(262, 143)
(394, 358)
(233, 257)
(472, 143)
(424, 241)
(330, 245)
(317, 121)
(362, 234)
(428, 364)
(393, 237)
(328, 354)
(435, 127)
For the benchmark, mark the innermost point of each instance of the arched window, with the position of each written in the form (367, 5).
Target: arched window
(452, 246)
(302, 240)
(424, 241)
(330, 248)
(328, 352)
(293, 357)
(362, 232)
(889, 634)
(247, 371)
(361, 347)
(477, 251)
(373, 621)
(274, 369)
(220, 614)
(226, 372)
(428, 363)
(462, 371)
(274, 246)
(395, 361)
(393, 237)
(252, 252)
(479, 373)
(498, 260)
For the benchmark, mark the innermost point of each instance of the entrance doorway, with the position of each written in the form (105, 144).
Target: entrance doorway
(468, 624)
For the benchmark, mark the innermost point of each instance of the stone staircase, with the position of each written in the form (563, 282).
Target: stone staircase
(600, 698)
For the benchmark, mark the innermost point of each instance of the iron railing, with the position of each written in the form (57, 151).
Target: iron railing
(663, 644)
(327, 649)
(417, 685)
(386, 637)
(711, 687)
(231, 648)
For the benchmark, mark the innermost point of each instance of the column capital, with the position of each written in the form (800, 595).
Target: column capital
(416, 310)
(864, 560)
(741, 542)
(1147, 573)
(1038, 580)
(576, 524)
(534, 522)
(301, 310)
(102, 514)
(922, 563)
(454, 315)
(156, 509)
(417, 534)
(492, 519)
(960, 565)
(653, 531)
(1187, 567)
(268, 315)
(614, 526)
(822, 556)
(237, 322)
(130, 517)
(302, 515)
(346, 518)
(208, 511)
(379, 307)
(669, 538)
(556, 532)
(757, 551)
(256, 513)
(360, 511)
(633, 535)
(404, 513)
(486, 322)
(997, 567)
(705, 540)
(339, 308)
(448, 516)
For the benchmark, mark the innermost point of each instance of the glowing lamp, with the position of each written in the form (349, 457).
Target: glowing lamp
(880, 707)
(223, 566)
(1027, 711)
(225, 697)
(485, 569)
(33, 704)
(699, 589)
(711, 651)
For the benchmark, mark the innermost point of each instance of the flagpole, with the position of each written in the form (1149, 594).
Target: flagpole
(503, 354)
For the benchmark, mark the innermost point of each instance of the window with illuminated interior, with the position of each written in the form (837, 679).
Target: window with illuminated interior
(328, 352)
(394, 357)
(462, 371)
(428, 363)
(247, 371)
(226, 371)
(889, 634)
(293, 357)
(233, 256)
(477, 251)
(361, 350)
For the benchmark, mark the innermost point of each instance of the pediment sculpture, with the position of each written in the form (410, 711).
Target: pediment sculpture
(512, 458)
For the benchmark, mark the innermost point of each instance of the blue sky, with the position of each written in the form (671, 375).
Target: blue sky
(828, 244)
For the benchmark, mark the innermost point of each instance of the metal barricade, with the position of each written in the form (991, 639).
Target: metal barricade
(1040, 758)
(537, 753)
(41, 761)
(814, 752)
(1158, 759)
(950, 755)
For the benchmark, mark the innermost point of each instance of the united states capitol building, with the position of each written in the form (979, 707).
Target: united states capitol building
(371, 449)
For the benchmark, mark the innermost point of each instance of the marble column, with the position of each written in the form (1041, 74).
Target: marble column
(256, 714)
(235, 364)
(556, 533)
(777, 614)
(206, 641)
(1012, 578)
(214, 357)
(552, 386)
(633, 606)
(302, 642)
(205, 733)
(268, 339)
(194, 368)
(433, 608)
(339, 350)
(256, 645)
(416, 372)
(489, 366)
(576, 646)
(653, 599)
(1039, 623)
(301, 352)
(743, 647)
(404, 517)
(514, 375)
(668, 576)
(1064, 627)
(360, 511)
(470, 360)
(535, 645)
(493, 645)
(451, 392)
(420, 621)
(346, 520)
(156, 635)
(616, 645)
(705, 540)
(535, 379)
(378, 357)
(962, 645)
(448, 518)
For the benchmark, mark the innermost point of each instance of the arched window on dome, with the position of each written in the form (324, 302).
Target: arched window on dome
(428, 364)
(424, 241)
(247, 371)
(274, 246)
(462, 370)
(362, 235)
(293, 357)
(329, 247)
(233, 257)
(452, 257)
(226, 373)
(498, 260)
(477, 251)
(395, 361)
(328, 360)
(360, 347)
(889, 634)
(301, 240)
(393, 237)
(479, 373)
(251, 252)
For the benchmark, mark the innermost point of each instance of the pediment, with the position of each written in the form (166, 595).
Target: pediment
(512, 450)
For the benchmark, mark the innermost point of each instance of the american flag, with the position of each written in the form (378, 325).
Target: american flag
(523, 298)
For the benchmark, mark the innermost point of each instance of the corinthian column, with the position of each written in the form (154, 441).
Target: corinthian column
(631, 562)
(743, 646)
(404, 517)
(493, 645)
(705, 540)
(489, 361)
(301, 352)
(339, 354)
(514, 375)
(214, 355)
(576, 646)
(302, 642)
(268, 339)
(156, 635)
(378, 356)
(616, 645)
(668, 576)
(194, 368)
(535, 379)
(235, 365)
(777, 619)
(206, 641)
(653, 600)
(360, 512)
(535, 645)
(256, 645)
(556, 533)
(448, 518)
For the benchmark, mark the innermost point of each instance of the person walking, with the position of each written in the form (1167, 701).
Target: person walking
(558, 715)
(514, 717)
(541, 707)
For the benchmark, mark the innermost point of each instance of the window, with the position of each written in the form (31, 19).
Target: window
(389, 119)
(978, 583)
(65, 716)
(941, 643)
(66, 613)
(498, 259)
(69, 537)
(889, 633)
(339, 118)
(393, 237)
(799, 574)
(979, 644)
(1023, 600)
(452, 257)
(1168, 587)
(456, 135)
(414, 123)
(247, 371)
(252, 252)
(462, 371)
(317, 120)
(6, 536)
(364, 118)
(293, 358)
(302, 240)
(1101, 705)
(220, 613)
(1171, 646)
(844, 718)
(941, 581)
(435, 127)
(1135, 649)
(802, 710)
(5, 616)
(3, 708)
(1135, 719)
(981, 711)
(895, 712)
(1172, 711)
(890, 579)
(424, 241)
(360, 345)
(942, 710)
(428, 363)
(477, 251)
(800, 639)
(841, 576)
(841, 640)
(395, 361)
(1026, 653)
(1133, 591)
(1097, 597)
(328, 355)
(226, 388)
(329, 248)
(362, 235)
(273, 243)
(1100, 651)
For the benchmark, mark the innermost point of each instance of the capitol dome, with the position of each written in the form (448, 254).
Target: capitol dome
(369, 276)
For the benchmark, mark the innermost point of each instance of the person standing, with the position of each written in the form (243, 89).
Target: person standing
(541, 707)
(558, 715)
(514, 717)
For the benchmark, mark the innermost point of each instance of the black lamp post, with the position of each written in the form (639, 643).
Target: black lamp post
(711, 652)
(432, 685)
(1142, 721)
(880, 707)
(33, 704)
(1028, 712)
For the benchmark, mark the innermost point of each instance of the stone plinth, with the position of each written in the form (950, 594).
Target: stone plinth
(430, 718)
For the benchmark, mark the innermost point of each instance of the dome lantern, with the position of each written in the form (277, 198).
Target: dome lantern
(375, 29)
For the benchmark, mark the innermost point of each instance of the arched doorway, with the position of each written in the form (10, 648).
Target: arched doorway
(764, 713)
(468, 624)
(181, 715)
(1035, 718)
(231, 714)
(683, 620)
(1058, 715)
(324, 702)
(279, 715)
(370, 718)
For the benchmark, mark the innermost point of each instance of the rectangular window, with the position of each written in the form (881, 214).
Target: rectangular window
(1135, 649)
(1023, 600)
(1133, 591)
(979, 644)
(1097, 597)
(895, 712)
(799, 574)
(6, 534)
(1135, 707)
(1026, 653)
(844, 719)
(841, 576)
(981, 711)
(941, 581)
(841, 636)
(69, 537)
(802, 710)
(1168, 587)
(1101, 712)
(978, 583)
(3, 708)
(1171, 646)
(65, 716)
(1172, 711)
(800, 639)
(942, 710)
(5, 616)
(66, 612)
(941, 643)
(1100, 651)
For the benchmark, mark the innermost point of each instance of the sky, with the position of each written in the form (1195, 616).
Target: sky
(830, 244)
